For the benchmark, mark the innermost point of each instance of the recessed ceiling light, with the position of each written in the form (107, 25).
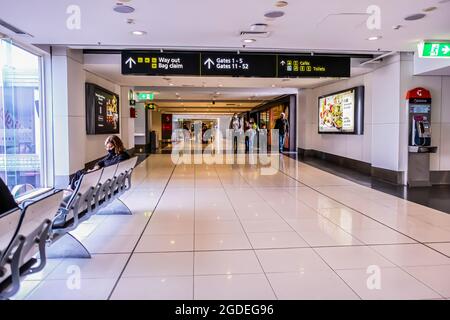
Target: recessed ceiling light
(273, 86)
(179, 98)
(274, 14)
(123, 9)
(281, 4)
(416, 16)
(258, 27)
(217, 92)
(138, 33)
(171, 84)
(374, 38)
(220, 85)
(249, 40)
(429, 9)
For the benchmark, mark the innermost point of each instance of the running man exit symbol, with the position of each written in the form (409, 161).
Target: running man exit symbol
(434, 49)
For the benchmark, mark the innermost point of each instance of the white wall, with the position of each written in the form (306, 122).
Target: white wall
(385, 139)
(73, 147)
(349, 146)
(439, 87)
(94, 143)
(379, 144)
(126, 123)
(139, 124)
(156, 124)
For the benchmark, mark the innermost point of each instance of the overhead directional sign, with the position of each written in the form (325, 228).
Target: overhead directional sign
(238, 65)
(434, 49)
(234, 64)
(157, 63)
(313, 66)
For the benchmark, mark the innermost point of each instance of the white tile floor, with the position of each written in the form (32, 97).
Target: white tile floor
(229, 232)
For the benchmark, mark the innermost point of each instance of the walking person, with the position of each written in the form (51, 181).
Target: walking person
(247, 131)
(235, 126)
(282, 124)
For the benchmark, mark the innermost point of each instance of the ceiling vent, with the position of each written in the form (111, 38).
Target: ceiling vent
(13, 29)
(257, 34)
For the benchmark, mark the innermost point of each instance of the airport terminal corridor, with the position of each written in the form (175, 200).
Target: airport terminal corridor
(257, 153)
(229, 232)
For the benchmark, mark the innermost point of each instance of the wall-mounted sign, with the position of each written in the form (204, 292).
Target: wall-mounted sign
(102, 110)
(157, 63)
(342, 112)
(150, 106)
(233, 64)
(434, 49)
(313, 66)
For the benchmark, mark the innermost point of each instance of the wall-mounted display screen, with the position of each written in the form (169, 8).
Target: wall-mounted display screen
(342, 112)
(102, 110)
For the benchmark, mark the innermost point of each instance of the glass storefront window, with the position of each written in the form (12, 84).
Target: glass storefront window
(20, 118)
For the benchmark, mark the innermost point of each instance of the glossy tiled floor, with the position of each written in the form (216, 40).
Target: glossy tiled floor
(229, 232)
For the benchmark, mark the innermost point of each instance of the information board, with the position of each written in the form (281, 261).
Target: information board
(233, 64)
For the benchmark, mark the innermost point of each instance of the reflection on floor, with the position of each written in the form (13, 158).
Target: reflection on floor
(436, 197)
(232, 232)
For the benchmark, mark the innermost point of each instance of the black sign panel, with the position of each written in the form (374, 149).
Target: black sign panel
(233, 64)
(102, 110)
(157, 63)
(295, 66)
(238, 65)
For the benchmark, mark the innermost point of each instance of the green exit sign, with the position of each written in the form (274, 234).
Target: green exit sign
(434, 49)
(146, 96)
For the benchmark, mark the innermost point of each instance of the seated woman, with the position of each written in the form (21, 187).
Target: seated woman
(116, 154)
(7, 201)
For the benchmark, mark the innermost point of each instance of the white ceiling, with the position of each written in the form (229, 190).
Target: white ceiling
(196, 94)
(109, 67)
(210, 24)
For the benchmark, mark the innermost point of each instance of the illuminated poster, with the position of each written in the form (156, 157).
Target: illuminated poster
(337, 113)
(102, 110)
